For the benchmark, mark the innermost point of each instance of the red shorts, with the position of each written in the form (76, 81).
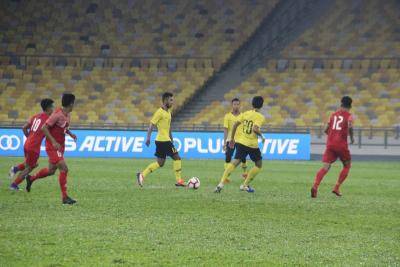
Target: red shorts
(31, 158)
(333, 153)
(55, 156)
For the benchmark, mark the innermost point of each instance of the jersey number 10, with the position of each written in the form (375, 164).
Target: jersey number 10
(337, 121)
(35, 125)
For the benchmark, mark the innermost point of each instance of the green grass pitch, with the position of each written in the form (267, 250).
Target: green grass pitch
(116, 223)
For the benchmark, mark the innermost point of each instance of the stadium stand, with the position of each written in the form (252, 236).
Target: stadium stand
(352, 29)
(125, 28)
(305, 96)
(354, 49)
(116, 57)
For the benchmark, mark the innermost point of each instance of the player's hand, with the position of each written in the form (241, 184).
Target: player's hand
(232, 144)
(224, 147)
(57, 145)
(73, 136)
(147, 141)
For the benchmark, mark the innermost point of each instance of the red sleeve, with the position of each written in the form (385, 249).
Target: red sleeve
(52, 120)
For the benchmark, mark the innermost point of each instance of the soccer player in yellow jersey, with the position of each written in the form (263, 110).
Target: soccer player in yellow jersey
(247, 144)
(164, 142)
(229, 120)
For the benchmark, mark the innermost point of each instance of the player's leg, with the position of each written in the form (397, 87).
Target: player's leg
(227, 172)
(346, 160)
(177, 166)
(239, 155)
(161, 156)
(14, 169)
(62, 179)
(318, 178)
(244, 168)
(255, 156)
(328, 158)
(31, 159)
(42, 173)
(20, 177)
(228, 155)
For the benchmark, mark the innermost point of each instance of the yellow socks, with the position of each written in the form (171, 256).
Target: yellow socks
(252, 173)
(177, 165)
(228, 170)
(244, 167)
(151, 168)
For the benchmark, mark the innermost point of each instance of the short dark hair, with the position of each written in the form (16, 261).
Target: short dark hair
(346, 101)
(235, 100)
(166, 95)
(46, 103)
(257, 102)
(67, 100)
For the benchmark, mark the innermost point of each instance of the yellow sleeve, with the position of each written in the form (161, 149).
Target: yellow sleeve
(226, 121)
(259, 121)
(156, 117)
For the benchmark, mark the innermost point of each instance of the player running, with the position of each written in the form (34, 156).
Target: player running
(32, 131)
(340, 125)
(229, 120)
(55, 129)
(247, 144)
(164, 142)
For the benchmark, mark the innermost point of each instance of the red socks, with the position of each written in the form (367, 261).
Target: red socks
(342, 176)
(20, 167)
(40, 174)
(18, 180)
(318, 178)
(62, 179)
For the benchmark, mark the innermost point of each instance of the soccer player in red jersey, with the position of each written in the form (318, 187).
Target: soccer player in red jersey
(339, 127)
(55, 129)
(32, 131)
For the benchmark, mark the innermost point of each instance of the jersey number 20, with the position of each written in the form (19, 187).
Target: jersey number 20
(337, 121)
(248, 126)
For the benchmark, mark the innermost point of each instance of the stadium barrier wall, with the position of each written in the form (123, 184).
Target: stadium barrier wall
(131, 144)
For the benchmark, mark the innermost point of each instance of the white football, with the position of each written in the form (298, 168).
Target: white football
(193, 183)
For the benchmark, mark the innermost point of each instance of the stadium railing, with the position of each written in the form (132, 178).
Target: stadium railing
(24, 61)
(364, 136)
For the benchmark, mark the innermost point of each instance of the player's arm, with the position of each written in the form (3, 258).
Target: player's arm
(45, 130)
(170, 135)
(73, 136)
(351, 132)
(234, 128)
(257, 131)
(26, 128)
(225, 137)
(326, 129)
(149, 131)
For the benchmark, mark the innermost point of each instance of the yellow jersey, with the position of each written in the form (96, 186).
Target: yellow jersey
(248, 119)
(162, 119)
(229, 121)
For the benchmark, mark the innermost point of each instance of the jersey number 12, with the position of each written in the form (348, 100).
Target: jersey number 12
(337, 121)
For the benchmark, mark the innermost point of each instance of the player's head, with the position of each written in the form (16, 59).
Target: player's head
(47, 105)
(346, 102)
(168, 99)
(258, 102)
(67, 101)
(235, 104)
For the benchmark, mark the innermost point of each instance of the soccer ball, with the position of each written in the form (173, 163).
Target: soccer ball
(193, 183)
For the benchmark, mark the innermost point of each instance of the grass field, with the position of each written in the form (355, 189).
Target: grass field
(116, 223)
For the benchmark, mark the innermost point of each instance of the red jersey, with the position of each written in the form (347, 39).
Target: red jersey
(58, 124)
(338, 128)
(35, 137)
